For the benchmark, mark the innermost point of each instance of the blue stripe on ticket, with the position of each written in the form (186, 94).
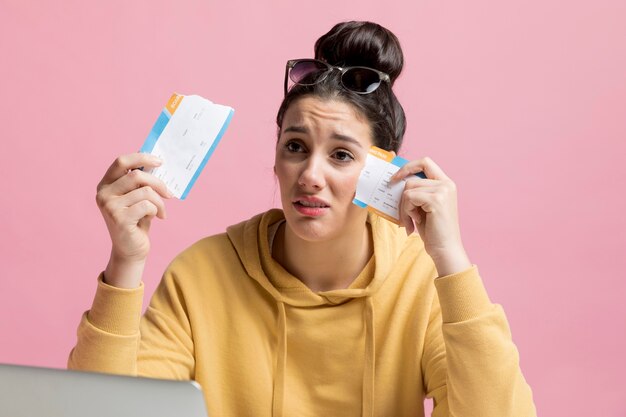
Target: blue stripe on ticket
(156, 131)
(400, 162)
(208, 154)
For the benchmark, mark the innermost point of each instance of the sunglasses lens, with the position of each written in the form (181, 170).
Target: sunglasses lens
(307, 72)
(361, 80)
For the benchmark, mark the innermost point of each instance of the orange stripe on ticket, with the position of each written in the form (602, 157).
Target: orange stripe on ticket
(384, 215)
(381, 153)
(173, 102)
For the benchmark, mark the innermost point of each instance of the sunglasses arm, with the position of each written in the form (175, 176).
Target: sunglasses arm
(287, 67)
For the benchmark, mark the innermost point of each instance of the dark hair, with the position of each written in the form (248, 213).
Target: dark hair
(360, 44)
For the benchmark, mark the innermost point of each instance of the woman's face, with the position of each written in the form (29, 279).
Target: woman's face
(322, 147)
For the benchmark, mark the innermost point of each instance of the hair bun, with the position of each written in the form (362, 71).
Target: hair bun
(361, 44)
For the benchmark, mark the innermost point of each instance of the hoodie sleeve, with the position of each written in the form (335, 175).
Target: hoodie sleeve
(114, 338)
(471, 366)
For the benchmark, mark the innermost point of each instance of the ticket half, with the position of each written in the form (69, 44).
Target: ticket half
(374, 190)
(184, 136)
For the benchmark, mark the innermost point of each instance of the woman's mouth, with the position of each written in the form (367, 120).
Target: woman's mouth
(310, 206)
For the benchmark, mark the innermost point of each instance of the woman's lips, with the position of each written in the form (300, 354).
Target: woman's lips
(310, 206)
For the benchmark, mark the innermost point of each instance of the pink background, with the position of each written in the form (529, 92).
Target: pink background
(523, 103)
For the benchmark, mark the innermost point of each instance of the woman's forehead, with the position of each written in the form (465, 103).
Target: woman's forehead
(310, 114)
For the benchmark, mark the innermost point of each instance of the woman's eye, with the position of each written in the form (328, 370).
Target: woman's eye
(343, 156)
(294, 147)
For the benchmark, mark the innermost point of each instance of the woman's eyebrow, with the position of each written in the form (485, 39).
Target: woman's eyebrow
(338, 136)
(297, 129)
(346, 138)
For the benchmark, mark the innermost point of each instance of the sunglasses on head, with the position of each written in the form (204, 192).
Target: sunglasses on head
(360, 80)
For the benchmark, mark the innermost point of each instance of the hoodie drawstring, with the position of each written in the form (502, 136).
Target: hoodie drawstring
(369, 367)
(281, 359)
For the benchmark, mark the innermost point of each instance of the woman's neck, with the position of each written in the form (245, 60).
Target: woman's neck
(324, 266)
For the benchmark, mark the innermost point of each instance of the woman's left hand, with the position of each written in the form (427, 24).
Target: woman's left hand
(431, 206)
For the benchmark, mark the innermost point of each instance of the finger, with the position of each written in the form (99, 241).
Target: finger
(405, 219)
(425, 165)
(439, 196)
(124, 163)
(428, 190)
(136, 179)
(416, 215)
(144, 223)
(411, 216)
(141, 210)
(422, 184)
(427, 201)
(409, 211)
(408, 169)
(412, 213)
(143, 193)
(417, 174)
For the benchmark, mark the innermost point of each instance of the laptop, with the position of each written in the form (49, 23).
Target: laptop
(27, 391)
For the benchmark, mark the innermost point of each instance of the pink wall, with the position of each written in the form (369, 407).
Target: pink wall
(523, 103)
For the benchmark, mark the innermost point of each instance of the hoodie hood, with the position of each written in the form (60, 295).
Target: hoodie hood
(250, 239)
(251, 242)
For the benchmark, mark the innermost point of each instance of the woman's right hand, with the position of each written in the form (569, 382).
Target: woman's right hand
(128, 199)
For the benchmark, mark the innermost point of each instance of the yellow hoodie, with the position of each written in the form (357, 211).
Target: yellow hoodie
(261, 343)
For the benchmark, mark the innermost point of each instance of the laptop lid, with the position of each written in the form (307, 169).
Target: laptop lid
(27, 391)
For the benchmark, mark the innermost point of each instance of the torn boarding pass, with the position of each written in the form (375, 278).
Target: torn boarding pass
(184, 137)
(373, 189)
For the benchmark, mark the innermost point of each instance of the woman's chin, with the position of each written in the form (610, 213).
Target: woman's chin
(311, 229)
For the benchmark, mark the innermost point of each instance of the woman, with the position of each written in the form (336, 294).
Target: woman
(318, 308)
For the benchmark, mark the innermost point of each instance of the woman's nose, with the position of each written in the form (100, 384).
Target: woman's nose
(312, 175)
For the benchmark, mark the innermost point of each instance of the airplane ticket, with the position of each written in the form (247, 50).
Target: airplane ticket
(373, 189)
(184, 137)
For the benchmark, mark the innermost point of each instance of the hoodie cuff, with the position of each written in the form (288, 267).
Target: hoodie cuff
(462, 296)
(116, 310)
